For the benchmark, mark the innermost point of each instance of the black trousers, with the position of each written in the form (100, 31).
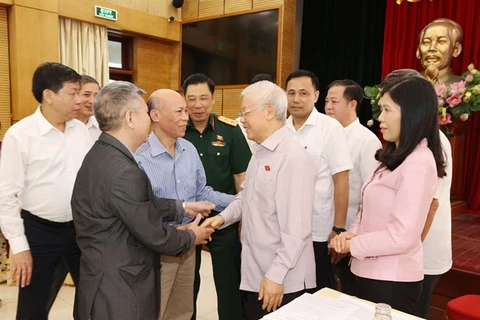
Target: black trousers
(54, 251)
(253, 306)
(423, 303)
(225, 251)
(402, 296)
(348, 281)
(323, 267)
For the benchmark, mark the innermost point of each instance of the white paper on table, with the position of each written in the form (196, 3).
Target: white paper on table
(312, 307)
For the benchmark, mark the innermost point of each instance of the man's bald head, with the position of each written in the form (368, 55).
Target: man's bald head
(162, 97)
(169, 113)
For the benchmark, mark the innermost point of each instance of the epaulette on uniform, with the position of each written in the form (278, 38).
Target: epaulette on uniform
(228, 121)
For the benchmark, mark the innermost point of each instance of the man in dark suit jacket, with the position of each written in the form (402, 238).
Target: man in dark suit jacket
(119, 222)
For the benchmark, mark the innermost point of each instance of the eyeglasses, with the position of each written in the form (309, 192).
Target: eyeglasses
(242, 114)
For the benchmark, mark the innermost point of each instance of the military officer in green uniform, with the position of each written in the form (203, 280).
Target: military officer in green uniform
(225, 155)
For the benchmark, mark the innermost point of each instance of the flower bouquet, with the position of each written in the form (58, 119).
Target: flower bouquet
(458, 99)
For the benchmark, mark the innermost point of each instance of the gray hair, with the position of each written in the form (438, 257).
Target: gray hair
(154, 103)
(264, 93)
(113, 101)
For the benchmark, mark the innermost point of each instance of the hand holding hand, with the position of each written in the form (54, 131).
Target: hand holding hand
(200, 207)
(202, 234)
(22, 265)
(214, 222)
(271, 293)
(341, 242)
(183, 227)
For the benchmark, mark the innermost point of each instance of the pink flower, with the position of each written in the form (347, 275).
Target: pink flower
(469, 78)
(444, 120)
(457, 87)
(464, 116)
(441, 102)
(440, 89)
(454, 100)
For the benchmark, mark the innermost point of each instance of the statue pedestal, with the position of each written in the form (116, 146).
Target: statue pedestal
(456, 136)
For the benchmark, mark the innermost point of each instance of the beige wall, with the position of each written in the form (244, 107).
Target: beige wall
(33, 30)
(5, 112)
(156, 64)
(162, 8)
(29, 47)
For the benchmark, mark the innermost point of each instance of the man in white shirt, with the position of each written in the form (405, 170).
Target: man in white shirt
(41, 155)
(325, 141)
(343, 99)
(88, 91)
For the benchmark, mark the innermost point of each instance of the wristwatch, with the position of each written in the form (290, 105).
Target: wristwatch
(338, 230)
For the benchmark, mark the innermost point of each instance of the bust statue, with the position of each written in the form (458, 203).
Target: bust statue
(439, 42)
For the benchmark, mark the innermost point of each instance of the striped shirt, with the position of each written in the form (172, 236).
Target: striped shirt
(180, 177)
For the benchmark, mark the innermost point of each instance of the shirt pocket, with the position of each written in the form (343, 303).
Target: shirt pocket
(265, 188)
(219, 157)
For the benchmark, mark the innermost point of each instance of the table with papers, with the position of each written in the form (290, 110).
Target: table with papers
(332, 305)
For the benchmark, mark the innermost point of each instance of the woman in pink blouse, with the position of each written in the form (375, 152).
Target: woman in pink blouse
(385, 239)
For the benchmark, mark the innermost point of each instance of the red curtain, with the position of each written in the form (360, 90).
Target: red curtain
(403, 24)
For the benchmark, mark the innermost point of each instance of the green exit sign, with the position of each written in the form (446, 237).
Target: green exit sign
(106, 13)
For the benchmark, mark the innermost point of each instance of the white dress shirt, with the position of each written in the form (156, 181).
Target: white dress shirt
(437, 246)
(93, 129)
(325, 141)
(362, 144)
(276, 211)
(38, 168)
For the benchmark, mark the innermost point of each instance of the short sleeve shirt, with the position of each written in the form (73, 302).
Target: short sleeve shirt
(223, 151)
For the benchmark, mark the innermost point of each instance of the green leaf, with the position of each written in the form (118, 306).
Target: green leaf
(475, 106)
(371, 92)
(458, 110)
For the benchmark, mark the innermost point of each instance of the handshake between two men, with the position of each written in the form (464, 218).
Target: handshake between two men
(203, 232)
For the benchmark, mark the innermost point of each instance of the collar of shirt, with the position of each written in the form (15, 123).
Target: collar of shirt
(45, 126)
(157, 148)
(422, 144)
(111, 140)
(274, 140)
(311, 120)
(211, 124)
(351, 126)
(92, 122)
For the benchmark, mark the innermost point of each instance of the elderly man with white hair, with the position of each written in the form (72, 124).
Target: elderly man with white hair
(275, 206)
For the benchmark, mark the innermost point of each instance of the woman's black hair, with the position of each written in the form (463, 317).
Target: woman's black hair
(419, 107)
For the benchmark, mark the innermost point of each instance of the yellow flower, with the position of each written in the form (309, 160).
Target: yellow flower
(470, 67)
